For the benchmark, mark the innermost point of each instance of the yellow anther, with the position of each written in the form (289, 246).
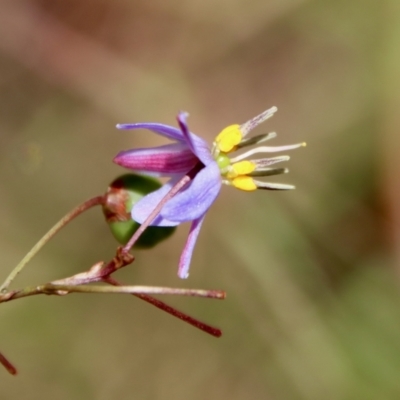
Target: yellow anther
(244, 183)
(228, 138)
(240, 168)
(243, 167)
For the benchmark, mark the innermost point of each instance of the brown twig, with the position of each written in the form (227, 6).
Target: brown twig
(172, 311)
(7, 365)
(56, 228)
(62, 290)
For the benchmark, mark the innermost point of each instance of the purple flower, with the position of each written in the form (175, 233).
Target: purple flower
(177, 159)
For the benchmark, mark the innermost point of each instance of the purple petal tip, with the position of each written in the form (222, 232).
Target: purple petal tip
(182, 119)
(183, 114)
(121, 126)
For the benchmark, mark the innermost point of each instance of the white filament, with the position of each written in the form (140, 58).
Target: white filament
(265, 149)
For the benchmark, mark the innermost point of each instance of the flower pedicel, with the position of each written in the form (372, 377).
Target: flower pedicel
(218, 166)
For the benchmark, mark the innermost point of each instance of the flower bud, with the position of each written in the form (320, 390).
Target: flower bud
(122, 194)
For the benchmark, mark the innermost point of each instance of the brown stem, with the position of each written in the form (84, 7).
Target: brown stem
(173, 311)
(56, 228)
(60, 290)
(7, 365)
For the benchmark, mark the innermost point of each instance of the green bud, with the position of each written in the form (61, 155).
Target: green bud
(123, 193)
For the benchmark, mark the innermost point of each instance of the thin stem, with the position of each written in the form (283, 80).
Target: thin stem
(136, 289)
(7, 365)
(172, 311)
(59, 225)
(61, 290)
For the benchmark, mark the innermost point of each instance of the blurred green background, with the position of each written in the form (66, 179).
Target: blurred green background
(312, 275)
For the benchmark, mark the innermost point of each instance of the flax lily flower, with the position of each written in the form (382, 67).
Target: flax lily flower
(175, 160)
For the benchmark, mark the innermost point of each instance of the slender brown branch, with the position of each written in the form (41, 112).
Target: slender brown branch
(7, 365)
(172, 311)
(20, 293)
(134, 289)
(56, 228)
(61, 290)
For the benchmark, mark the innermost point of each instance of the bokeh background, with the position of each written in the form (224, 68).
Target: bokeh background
(312, 275)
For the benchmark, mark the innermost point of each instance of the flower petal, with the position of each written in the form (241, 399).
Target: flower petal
(165, 130)
(169, 159)
(144, 207)
(186, 256)
(195, 200)
(194, 142)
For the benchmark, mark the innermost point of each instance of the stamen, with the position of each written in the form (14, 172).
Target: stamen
(265, 162)
(228, 138)
(266, 149)
(244, 183)
(250, 125)
(256, 139)
(268, 172)
(243, 167)
(273, 186)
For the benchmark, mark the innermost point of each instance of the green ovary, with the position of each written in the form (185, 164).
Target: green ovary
(223, 161)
